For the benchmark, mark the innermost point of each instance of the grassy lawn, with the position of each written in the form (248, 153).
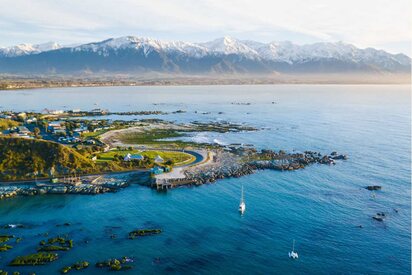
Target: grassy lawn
(94, 134)
(176, 157)
(154, 138)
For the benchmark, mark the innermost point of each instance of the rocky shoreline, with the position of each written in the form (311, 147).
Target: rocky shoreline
(238, 162)
(234, 162)
(108, 186)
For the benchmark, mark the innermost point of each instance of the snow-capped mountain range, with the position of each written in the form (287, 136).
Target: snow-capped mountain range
(222, 55)
(24, 49)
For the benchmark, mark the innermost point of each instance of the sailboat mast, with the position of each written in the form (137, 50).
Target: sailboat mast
(293, 246)
(242, 195)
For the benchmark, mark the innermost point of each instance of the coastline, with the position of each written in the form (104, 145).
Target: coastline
(49, 82)
(214, 165)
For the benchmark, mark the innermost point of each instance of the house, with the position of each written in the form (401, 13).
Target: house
(99, 111)
(90, 141)
(25, 136)
(159, 159)
(57, 127)
(55, 124)
(69, 139)
(52, 112)
(81, 130)
(6, 116)
(130, 157)
(59, 131)
(156, 170)
(31, 120)
(94, 158)
(22, 115)
(23, 130)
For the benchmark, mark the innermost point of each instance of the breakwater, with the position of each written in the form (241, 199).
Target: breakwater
(244, 161)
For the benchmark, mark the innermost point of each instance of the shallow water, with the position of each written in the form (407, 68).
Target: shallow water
(321, 206)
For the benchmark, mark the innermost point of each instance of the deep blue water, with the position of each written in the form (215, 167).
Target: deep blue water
(321, 206)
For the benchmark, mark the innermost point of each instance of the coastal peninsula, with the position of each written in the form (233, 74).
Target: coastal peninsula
(78, 152)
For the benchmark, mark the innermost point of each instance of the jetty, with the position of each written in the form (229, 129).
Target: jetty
(178, 176)
(238, 162)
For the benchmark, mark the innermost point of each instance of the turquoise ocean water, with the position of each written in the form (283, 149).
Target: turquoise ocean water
(321, 207)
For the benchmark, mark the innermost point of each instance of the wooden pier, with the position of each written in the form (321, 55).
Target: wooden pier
(164, 184)
(72, 180)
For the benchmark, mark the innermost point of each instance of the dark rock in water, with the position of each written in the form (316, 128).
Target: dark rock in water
(5, 238)
(5, 247)
(34, 259)
(76, 266)
(373, 187)
(156, 261)
(63, 224)
(10, 226)
(144, 232)
(55, 244)
(380, 216)
(115, 264)
(338, 157)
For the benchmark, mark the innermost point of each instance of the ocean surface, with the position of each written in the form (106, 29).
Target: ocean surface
(321, 207)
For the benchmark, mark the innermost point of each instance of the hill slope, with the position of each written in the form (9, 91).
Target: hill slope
(21, 158)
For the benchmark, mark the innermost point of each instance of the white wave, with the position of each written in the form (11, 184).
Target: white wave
(219, 142)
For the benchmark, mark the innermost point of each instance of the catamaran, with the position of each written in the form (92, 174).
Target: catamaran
(293, 254)
(242, 205)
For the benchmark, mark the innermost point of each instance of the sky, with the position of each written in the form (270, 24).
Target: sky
(382, 24)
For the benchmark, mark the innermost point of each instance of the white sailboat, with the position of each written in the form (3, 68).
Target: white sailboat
(293, 254)
(242, 205)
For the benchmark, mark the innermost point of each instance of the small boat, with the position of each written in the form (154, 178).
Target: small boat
(242, 205)
(293, 254)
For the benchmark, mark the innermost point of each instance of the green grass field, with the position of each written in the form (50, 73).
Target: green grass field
(94, 134)
(155, 138)
(177, 157)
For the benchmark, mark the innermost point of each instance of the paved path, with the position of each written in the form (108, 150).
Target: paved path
(178, 172)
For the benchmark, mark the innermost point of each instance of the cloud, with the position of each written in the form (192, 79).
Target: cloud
(364, 23)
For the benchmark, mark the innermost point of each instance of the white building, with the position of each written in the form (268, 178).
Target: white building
(159, 159)
(130, 157)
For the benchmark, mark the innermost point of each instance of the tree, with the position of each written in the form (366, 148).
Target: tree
(169, 162)
(36, 132)
(44, 124)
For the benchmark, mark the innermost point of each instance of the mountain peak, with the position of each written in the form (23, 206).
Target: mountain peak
(24, 49)
(229, 45)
